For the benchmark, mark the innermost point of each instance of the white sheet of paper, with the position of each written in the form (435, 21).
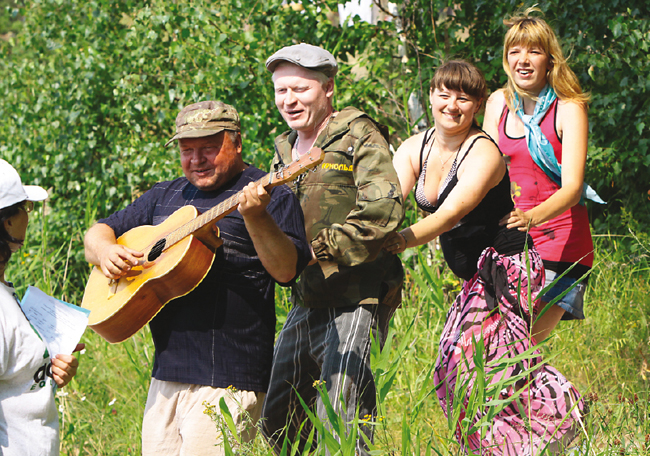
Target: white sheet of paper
(60, 324)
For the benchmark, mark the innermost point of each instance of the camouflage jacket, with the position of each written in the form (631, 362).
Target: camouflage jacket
(351, 202)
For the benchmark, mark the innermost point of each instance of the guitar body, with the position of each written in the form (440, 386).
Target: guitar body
(179, 254)
(120, 308)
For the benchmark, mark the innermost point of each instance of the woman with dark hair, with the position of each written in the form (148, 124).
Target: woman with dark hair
(461, 180)
(29, 423)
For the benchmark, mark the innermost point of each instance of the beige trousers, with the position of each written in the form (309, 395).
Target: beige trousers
(175, 422)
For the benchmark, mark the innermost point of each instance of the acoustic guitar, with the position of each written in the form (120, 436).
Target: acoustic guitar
(178, 254)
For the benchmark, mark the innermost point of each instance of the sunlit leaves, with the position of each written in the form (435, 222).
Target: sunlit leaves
(91, 89)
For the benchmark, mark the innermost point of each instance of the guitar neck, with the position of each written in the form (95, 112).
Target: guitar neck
(306, 162)
(212, 215)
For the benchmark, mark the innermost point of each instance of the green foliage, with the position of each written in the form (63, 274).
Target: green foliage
(231, 430)
(92, 88)
(101, 409)
(10, 20)
(606, 356)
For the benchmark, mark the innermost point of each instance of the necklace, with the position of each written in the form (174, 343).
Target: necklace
(443, 163)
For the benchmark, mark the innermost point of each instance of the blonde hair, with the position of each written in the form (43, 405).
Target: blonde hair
(531, 31)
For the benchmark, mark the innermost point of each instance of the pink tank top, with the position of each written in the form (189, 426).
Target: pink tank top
(567, 237)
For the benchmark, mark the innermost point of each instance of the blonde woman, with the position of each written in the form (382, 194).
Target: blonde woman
(540, 122)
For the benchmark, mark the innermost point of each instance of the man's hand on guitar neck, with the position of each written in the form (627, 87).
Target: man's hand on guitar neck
(253, 201)
(115, 260)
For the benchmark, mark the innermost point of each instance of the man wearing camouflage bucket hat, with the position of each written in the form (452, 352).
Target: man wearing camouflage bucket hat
(352, 287)
(217, 341)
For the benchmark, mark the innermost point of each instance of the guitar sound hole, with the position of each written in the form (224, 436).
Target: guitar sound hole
(156, 250)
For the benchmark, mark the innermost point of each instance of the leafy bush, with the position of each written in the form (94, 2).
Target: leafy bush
(92, 88)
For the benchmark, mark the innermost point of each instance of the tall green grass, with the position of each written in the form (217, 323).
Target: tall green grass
(607, 357)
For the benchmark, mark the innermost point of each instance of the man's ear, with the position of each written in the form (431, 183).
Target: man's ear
(238, 144)
(329, 88)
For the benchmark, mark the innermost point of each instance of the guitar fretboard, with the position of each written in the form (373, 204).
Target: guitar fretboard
(307, 161)
(208, 216)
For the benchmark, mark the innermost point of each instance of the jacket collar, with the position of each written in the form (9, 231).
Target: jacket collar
(337, 127)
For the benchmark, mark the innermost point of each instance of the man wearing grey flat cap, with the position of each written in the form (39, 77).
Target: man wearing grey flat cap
(351, 288)
(217, 341)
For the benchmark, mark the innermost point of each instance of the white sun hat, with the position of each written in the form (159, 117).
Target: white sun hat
(12, 190)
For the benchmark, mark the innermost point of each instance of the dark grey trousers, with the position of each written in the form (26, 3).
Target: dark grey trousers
(331, 345)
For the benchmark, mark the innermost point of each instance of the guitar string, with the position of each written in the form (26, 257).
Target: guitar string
(193, 225)
(205, 218)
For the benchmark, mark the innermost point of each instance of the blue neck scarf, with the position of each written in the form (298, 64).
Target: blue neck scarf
(541, 150)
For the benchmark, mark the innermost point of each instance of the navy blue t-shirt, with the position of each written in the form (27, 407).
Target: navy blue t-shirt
(222, 332)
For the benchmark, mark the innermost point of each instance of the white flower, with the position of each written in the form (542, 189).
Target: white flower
(112, 402)
(61, 408)
(83, 398)
(61, 393)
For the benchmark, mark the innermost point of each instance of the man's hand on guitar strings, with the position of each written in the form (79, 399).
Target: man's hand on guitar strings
(117, 260)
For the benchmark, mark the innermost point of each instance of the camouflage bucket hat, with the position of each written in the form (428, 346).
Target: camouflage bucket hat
(204, 119)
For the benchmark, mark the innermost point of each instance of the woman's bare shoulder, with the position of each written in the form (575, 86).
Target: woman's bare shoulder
(571, 117)
(483, 167)
(484, 154)
(411, 144)
(571, 107)
(496, 100)
(493, 110)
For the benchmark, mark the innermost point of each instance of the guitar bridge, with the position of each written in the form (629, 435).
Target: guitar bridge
(112, 287)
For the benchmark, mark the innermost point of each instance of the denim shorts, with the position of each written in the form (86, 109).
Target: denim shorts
(573, 301)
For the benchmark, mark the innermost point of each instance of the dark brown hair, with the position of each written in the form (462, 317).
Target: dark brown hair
(5, 238)
(461, 76)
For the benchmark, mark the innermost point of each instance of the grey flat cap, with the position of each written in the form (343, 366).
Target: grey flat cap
(307, 56)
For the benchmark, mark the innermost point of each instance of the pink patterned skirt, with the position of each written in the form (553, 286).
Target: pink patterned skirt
(516, 404)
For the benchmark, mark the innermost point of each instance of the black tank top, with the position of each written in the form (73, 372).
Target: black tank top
(463, 244)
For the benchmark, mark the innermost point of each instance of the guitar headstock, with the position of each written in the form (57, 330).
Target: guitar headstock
(310, 160)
